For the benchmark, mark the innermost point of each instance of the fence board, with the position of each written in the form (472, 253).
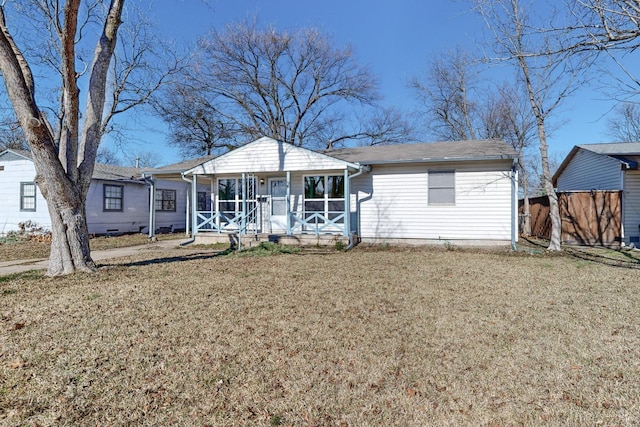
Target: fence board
(591, 218)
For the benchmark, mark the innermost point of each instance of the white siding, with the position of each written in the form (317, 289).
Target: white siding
(268, 155)
(393, 204)
(631, 207)
(588, 170)
(16, 170)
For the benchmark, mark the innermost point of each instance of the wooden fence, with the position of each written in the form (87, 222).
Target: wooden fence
(591, 218)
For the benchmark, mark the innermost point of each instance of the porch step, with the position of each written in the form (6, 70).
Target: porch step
(252, 240)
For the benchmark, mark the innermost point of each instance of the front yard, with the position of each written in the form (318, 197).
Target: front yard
(407, 337)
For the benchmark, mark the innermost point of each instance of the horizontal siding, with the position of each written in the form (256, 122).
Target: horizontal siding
(135, 214)
(588, 170)
(267, 155)
(17, 169)
(393, 204)
(631, 207)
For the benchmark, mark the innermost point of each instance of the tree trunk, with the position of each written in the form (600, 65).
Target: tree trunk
(70, 249)
(554, 210)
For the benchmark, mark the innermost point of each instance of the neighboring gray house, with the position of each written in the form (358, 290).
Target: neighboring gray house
(612, 167)
(458, 192)
(117, 202)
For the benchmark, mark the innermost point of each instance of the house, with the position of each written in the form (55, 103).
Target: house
(598, 168)
(458, 192)
(117, 202)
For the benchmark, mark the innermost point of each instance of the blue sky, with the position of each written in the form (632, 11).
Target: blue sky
(395, 39)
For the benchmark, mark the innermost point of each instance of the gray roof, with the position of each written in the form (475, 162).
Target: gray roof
(180, 166)
(426, 152)
(614, 149)
(101, 171)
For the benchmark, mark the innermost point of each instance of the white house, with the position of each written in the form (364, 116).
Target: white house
(610, 166)
(117, 202)
(457, 192)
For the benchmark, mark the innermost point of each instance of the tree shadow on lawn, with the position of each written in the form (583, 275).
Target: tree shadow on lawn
(172, 259)
(622, 258)
(231, 251)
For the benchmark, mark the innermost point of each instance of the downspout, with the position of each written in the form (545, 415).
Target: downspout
(152, 204)
(193, 219)
(514, 205)
(362, 170)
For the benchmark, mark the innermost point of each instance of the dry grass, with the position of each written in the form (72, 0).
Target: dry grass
(21, 247)
(368, 337)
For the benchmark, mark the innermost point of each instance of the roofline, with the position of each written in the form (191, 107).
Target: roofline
(573, 153)
(9, 150)
(441, 160)
(355, 166)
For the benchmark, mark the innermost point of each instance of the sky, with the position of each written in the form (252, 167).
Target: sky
(394, 39)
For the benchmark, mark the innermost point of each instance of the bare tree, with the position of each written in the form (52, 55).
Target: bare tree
(64, 152)
(446, 93)
(293, 86)
(624, 126)
(548, 73)
(196, 126)
(11, 135)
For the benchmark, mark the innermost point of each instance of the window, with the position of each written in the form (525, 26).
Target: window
(204, 201)
(230, 195)
(442, 188)
(165, 200)
(27, 196)
(324, 194)
(112, 197)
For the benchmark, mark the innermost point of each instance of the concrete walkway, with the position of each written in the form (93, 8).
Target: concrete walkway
(22, 265)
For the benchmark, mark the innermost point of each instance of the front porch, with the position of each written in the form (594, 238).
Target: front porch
(271, 190)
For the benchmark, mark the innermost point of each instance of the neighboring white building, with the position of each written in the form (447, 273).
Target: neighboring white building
(612, 167)
(457, 192)
(117, 202)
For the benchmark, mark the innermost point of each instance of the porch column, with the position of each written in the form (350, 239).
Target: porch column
(347, 204)
(152, 209)
(194, 206)
(243, 221)
(288, 204)
(186, 213)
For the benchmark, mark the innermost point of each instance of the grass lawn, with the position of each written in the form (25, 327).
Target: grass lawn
(407, 337)
(20, 247)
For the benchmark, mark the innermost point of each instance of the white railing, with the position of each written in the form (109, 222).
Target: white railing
(317, 222)
(221, 223)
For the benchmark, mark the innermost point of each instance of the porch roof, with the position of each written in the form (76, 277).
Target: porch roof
(268, 155)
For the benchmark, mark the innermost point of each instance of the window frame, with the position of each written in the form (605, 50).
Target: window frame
(433, 187)
(24, 197)
(105, 198)
(236, 201)
(327, 181)
(162, 200)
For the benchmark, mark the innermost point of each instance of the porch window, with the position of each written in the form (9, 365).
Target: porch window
(28, 196)
(324, 194)
(165, 200)
(204, 201)
(112, 198)
(442, 187)
(230, 196)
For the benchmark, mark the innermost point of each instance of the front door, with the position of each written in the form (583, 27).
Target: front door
(278, 214)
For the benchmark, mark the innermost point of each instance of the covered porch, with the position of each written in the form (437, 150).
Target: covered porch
(271, 190)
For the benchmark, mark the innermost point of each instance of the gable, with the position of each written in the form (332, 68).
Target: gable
(269, 155)
(584, 170)
(11, 156)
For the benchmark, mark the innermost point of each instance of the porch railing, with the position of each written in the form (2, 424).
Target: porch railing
(317, 222)
(222, 223)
